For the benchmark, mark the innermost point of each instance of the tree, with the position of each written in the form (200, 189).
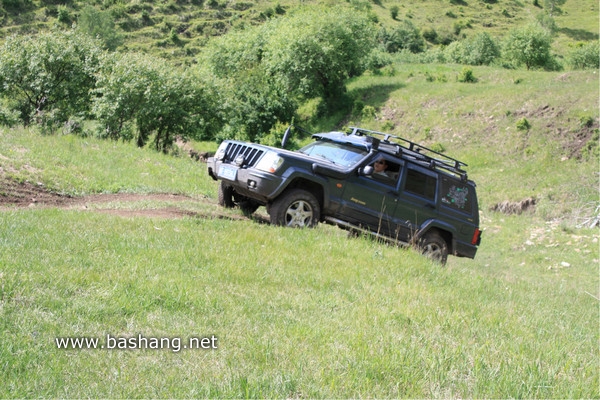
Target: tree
(138, 96)
(252, 101)
(50, 74)
(263, 70)
(481, 50)
(99, 25)
(313, 52)
(529, 45)
(254, 105)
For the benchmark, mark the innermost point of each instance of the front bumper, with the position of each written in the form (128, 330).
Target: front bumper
(250, 182)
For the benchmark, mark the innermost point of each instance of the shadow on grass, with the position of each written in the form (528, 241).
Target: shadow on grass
(579, 34)
(336, 114)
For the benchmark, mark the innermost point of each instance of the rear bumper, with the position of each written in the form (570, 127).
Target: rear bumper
(462, 249)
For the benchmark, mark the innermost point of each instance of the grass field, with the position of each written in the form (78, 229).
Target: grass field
(311, 313)
(296, 313)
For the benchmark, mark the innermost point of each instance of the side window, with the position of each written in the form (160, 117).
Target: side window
(456, 195)
(420, 184)
(385, 171)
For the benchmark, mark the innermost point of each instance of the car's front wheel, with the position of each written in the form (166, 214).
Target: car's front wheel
(225, 195)
(297, 208)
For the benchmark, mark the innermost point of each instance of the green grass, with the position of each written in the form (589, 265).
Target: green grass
(323, 318)
(74, 166)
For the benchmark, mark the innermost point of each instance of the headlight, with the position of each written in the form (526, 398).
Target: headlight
(220, 154)
(270, 162)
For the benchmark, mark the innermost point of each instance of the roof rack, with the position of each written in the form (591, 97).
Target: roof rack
(431, 158)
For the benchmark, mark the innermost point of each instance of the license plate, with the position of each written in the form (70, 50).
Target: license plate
(227, 172)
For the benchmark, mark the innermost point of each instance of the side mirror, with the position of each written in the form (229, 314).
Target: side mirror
(366, 171)
(286, 136)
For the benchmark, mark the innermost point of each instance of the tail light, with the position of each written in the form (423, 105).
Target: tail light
(476, 237)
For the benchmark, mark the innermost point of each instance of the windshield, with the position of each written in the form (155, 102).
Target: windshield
(335, 153)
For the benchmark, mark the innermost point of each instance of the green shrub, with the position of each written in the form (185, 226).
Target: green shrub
(403, 37)
(64, 16)
(430, 34)
(529, 45)
(368, 112)
(586, 121)
(48, 78)
(466, 76)
(585, 56)
(482, 49)
(100, 25)
(394, 10)
(523, 124)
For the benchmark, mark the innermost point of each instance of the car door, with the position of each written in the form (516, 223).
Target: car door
(368, 201)
(416, 201)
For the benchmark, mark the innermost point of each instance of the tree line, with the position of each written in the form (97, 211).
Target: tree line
(243, 85)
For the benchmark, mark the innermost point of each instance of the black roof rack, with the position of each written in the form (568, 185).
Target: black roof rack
(424, 155)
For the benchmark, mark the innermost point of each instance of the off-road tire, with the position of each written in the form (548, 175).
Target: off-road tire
(434, 247)
(225, 195)
(296, 208)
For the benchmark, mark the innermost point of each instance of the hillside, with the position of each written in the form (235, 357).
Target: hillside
(180, 29)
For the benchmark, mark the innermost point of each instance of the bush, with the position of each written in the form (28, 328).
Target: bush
(394, 10)
(466, 76)
(64, 16)
(368, 113)
(479, 50)
(530, 45)
(143, 97)
(523, 124)
(404, 37)
(585, 56)
(430, 34)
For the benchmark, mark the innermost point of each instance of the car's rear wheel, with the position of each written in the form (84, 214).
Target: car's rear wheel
(297, 208)
(434, 247)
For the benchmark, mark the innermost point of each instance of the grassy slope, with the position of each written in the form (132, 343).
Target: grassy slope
(477, 123)
(147, 26)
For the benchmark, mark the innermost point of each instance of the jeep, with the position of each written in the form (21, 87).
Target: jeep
(361, 181)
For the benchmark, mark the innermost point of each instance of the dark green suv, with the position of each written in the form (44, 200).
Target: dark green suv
(362, 181)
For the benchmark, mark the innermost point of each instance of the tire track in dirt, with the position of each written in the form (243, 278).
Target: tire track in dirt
(27, 195)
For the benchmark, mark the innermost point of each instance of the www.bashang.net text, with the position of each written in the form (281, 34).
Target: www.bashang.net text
(139, 342)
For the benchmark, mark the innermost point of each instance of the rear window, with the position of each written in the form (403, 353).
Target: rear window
(457, 195)
(420, 184)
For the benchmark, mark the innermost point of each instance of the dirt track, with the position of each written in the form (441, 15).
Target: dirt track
(16, 195)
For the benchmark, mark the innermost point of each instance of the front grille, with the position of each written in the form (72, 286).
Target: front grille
(251, 154)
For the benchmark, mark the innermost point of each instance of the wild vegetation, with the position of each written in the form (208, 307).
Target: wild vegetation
(101, 237)
(248, 80)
